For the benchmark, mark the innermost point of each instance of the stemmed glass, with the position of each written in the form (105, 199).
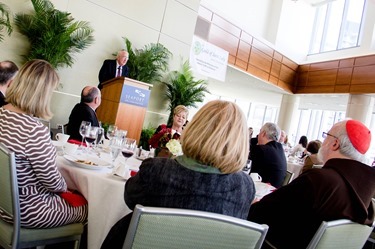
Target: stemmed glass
(115, 146)
(83, 129)
(91, 136)
(128, 147)
(111, 131)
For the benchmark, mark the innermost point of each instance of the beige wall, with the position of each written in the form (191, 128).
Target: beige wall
(170, 22)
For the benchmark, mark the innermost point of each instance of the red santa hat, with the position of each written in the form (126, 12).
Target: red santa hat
(359, 135)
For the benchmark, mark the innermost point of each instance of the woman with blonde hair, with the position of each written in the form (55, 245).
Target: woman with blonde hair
(207, 177)
(39, 181)
(166, 132)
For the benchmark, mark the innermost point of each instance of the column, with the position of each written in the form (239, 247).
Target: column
(360, 107)
(288, 111)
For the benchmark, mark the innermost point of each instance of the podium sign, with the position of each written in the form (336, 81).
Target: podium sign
(135, 96)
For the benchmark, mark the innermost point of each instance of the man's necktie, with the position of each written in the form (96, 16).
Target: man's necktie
(118, 71)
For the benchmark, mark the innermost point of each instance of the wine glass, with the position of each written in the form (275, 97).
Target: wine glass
(91, 136)
(128, 147)
(100, 136)
(115, 146)
(83, 129)
(111, 131)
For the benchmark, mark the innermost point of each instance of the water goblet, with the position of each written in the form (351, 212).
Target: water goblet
(83, 129)
(115, 146)
(128, 147)
(111, 131)
(100, 137)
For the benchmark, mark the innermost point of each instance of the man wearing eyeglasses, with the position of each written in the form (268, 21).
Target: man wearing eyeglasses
(342, 189)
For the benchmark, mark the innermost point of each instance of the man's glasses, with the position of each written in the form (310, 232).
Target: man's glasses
(325, 134)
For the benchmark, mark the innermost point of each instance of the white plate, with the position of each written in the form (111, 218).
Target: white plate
(99, 164)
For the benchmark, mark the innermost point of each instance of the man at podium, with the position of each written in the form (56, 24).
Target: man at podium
(114, 68)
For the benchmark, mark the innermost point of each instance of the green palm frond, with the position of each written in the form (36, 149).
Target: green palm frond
(149, 63)
(183, 89)
(4, 21)
(53, 35)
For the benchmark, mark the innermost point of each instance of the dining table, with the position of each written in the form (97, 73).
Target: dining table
(295, 167)
(104, 192)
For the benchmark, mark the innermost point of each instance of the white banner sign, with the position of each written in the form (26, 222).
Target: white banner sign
(208, 59)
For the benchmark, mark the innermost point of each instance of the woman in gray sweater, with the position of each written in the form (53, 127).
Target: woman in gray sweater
(207, 177)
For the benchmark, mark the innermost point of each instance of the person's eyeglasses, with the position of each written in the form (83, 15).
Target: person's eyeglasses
(325, 134)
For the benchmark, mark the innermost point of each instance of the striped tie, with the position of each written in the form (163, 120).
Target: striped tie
(118, 71)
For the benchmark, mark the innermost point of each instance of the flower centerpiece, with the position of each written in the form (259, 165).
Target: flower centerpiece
(165, 143)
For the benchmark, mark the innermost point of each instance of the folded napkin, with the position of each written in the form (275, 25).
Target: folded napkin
(73, 141)
(75, 199)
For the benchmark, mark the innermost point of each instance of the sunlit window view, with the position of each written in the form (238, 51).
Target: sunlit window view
(337, 26)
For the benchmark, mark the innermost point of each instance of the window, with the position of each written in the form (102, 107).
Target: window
(337, 26)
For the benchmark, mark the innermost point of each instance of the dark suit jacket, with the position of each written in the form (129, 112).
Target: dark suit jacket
(2, 99)
(81, 112)
(108, 71)
(269, 162)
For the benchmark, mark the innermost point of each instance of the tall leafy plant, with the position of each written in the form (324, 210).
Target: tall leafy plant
(53, 35)
(149, 63)
(4, 21)
(183, 89)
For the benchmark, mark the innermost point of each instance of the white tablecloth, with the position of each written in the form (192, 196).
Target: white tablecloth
(104, 193)
(295, 168)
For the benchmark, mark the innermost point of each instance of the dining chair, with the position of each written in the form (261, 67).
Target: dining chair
(13, 235)
(160, 228)
(288, 178)
(341, 233)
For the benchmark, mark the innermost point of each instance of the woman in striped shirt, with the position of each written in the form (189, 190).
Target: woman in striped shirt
(39, 181)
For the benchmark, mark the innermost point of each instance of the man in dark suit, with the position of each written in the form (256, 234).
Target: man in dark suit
(268, 158)
(84, 111)
(8, 71)
(114, 68)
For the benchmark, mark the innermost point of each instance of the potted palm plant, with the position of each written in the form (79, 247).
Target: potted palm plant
(4, 21)
(183, 89)
(53, 35)
(149, 63)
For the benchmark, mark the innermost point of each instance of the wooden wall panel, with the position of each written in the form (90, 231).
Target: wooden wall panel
(349, 75)
(241, 64)
(230, 43)
(365, 60)
(275, 68)
(246, 37)
(364, 75)
(260, 60)
(225, 25)
(322, 78)
(243, 51)
(262, 47)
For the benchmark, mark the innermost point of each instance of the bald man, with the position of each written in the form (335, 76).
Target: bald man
(84, 111)
(8, 71)
(114, 68)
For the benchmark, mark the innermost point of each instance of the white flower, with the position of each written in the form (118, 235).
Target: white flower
(174, 147)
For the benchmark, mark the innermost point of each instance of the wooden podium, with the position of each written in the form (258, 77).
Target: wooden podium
(113, 110)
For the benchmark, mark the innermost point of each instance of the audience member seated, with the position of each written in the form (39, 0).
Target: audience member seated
(8, 71)
(39, 181)
(299, 149)
(268, 158)
(166, 132)
(208, 177)
(312, 158)
(84, 111)
(342, 189)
